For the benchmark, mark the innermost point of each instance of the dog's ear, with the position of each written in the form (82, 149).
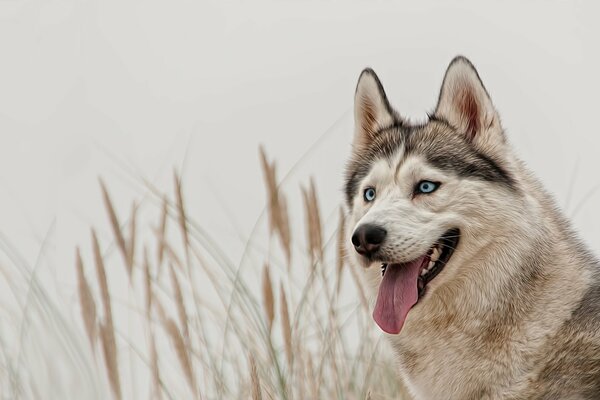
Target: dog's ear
(372, 110)
(466, 105)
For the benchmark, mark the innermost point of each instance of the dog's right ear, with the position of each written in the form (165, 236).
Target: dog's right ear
(372, 111)
(465, 104)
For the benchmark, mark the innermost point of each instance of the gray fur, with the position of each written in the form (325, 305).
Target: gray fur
(515, 314)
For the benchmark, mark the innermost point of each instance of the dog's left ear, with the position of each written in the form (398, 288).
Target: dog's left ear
(372, 111)
(466, 105)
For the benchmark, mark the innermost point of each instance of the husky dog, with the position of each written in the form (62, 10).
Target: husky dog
(483, 287)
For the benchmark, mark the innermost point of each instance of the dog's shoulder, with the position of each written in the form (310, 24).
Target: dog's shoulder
(570, 361)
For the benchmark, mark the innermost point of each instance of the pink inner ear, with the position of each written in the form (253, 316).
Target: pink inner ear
(469, 111)
(368, 120)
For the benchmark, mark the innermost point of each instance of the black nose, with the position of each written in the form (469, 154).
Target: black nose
(367, 239)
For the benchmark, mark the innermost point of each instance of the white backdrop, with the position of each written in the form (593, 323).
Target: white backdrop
(152, 83)
(103, 88)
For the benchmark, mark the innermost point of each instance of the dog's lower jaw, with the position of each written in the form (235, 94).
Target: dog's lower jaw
(453, 345)
(404, 284)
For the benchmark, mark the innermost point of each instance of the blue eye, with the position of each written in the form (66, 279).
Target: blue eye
(427, 187)
(369, 194)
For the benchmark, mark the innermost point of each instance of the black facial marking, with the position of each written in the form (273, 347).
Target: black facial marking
(384, 145)
(438, 142)
(477, 165)
(446, 149)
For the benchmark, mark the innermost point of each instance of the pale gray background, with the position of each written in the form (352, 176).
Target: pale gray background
(113, 87)
(86, 83)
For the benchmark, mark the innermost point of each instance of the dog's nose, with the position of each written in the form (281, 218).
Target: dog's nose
(367, 239)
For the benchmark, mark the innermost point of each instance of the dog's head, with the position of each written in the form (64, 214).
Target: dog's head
(422, 198)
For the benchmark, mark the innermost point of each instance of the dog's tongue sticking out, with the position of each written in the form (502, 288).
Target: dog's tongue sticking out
(398, 292)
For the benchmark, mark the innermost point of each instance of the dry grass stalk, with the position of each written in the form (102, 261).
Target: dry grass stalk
(172, 256)
(110, 359)
(162, 229)
(179, 345)
(314, 384)
(181, 212)
(277, 206)
(162, 315)
(284, 229)
(102, 281)
(116, 227)
(361, 290)
(316, 218)
(156, 392)
(132, 235)
(286, 326)
(272, 192)
(308, 225)
(268, 298)
(182, 354)
(306, 375)
(107, 332)
(88, 306)
(255, 381)
(302, 386)
(181, 312)
(313, 223)
(340, 248)
(147, 284)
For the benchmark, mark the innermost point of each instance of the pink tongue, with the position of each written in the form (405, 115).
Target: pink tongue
(397, 294)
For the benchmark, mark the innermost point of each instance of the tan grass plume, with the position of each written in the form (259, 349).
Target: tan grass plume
(286, 326)
(313, 222)
(314, 383)
(268, 298)
(88, 306)
(110, 358)
(107, 332)
(284, 229)
(254, 379)
(181, 211)
(116, 227)
(156, 392)
(132, 237)
(162, 229)
(181, 311)
(277, 206)
(182, 354)
(340, 248)
(272, 192)
(147, 284)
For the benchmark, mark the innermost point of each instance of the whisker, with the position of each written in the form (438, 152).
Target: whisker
(450, 237)
(442, 245)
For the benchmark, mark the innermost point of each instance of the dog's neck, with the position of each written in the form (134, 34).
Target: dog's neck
(505, 279)
(521, 293)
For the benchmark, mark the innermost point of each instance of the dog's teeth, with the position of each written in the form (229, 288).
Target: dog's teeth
(435, 254)
(383, 269)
